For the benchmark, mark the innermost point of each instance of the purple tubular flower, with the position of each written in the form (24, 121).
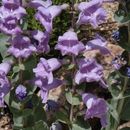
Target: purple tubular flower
(8, 23)
(99, 43)
(68, 44)
(13, 8)
(4, 83)
(45, 67)
(10, 14)
(38, 3)
(21, 47)
(92, 13)
(45, 87)
(46, 15)
(4, 87)
(90, 71)
(96, 107)
(40, 41)
(93, 5)
(21, 92)
(11, 3)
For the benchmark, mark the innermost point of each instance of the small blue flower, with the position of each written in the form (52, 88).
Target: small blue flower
(128, 71)
(51, 105)
(21, 92)
(116, 36)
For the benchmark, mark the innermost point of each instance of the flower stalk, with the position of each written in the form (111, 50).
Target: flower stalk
(73, 62)
(126, 80)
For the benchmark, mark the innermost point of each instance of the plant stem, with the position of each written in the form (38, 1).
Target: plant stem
(72, 9)
(121, 103)
(73, 90)
(73, 62)
(20, 72)
(71, 113)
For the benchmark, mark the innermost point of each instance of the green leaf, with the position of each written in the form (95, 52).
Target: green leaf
(113, 112)
(73, 100)
(123, 38)
(28, 128)
(27, 122)
(70, 67)
(126, 128)
(10, 99)
(115, 82)
(16, 69)
(80, 124)
(27, 112)
(41, 126)
(3, 45)
(39, 113)
(62, 116)
(29, 64)
(122, 15)
(125, 114)
(21, 67)
(18, 121)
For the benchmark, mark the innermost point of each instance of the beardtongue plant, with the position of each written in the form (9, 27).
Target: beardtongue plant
(34, 63)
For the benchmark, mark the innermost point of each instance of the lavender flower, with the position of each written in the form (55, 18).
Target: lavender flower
(38, 3)
(5, 67)
(8, 23)
(99, 43)
(4, 82)
(68, 44)
(45, 67)
(21, 92)
(4, 87)
(10, 14)
(46, 15)
(21, 47)
(92, 13)
(96, 107)
(14, 6)
(90, 71)
(2, 100)
(40, 41)
(45, 87)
